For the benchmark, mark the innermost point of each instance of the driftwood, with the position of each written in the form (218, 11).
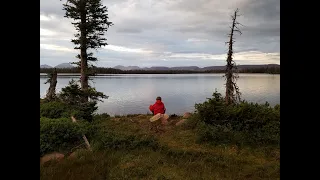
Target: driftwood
(83, 136)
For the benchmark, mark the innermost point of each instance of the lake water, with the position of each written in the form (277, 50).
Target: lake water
(132, 94)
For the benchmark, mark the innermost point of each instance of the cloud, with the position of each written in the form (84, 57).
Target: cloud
(55, 48)
(125, 49)
(241, 56)
(44, 18)
(46, 32)
(196, 40)
(194, 32)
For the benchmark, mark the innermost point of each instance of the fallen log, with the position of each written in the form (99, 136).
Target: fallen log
(83, 136)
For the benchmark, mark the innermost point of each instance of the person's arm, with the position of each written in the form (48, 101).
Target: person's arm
(151, 107)
(164, 109)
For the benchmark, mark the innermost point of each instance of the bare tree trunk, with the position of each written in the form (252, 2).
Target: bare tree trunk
(231, 85)
(51, 93)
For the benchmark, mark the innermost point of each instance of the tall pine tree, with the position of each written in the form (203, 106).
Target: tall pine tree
(90, 18)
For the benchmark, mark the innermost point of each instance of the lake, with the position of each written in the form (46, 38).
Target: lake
(133, 93)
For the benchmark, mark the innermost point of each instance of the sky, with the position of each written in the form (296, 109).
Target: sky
(169, 33)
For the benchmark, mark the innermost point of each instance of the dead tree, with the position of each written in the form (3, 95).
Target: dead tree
(232, 90)
(51, 93)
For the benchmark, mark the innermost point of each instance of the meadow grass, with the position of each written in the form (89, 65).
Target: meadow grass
(168, 152)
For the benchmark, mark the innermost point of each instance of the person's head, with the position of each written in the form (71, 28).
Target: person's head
(158, 98)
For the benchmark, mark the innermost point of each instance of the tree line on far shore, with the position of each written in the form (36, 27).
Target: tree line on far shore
(103, 70)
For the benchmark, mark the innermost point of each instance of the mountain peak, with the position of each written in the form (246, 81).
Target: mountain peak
(64, 65)
(45, 66)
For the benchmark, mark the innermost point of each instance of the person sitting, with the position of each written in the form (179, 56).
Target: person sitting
(157, 107)
(158, 110)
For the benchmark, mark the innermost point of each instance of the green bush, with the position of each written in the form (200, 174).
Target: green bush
(102, 116)
(84, 111)
(242, 123)
(60, 134)
(58, 109)
(53, 109)
(83, 104)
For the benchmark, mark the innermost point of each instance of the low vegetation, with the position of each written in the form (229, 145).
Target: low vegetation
(218, 141)
(60, 134)
(241, 124)
(69, 102)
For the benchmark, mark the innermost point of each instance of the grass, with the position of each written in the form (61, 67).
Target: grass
(177, 156)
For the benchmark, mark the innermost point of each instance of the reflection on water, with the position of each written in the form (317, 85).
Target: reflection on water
(130, 94)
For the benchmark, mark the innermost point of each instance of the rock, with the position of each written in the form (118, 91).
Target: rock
(181, 122)
(73, 155)
(186, 115)
(51, 156)
(78, 153)
(164, 122)
(155, 117)
(164, 119)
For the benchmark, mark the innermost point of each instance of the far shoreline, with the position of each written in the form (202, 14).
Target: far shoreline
(123, 74)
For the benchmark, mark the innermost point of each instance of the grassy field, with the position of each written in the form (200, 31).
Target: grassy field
(138, 151)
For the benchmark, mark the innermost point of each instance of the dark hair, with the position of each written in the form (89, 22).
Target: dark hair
(158, 98)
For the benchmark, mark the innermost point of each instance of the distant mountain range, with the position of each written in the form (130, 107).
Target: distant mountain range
(45, 66)
(194, 68)
(59, 66)
(161, 68)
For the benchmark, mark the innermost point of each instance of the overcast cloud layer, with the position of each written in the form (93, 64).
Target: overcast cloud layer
(169, 33)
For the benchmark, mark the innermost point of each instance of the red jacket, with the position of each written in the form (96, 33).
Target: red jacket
(158, 107)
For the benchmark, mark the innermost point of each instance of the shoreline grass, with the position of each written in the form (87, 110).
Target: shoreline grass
(126, 148)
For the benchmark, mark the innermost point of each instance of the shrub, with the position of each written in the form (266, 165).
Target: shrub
(84, 111)
(53, 109)
(58, 109)
(212, 110)
(74, 98)
(242, 123)
(60, 134)
(102, 116)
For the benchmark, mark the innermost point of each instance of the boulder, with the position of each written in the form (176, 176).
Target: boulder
(78, 153)
(162, 117)
(73, 155)
(155, 117)
(181, 122)
(52, 156)
(186, 115)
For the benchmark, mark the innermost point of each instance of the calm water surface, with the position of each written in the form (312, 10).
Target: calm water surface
(132, 94)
